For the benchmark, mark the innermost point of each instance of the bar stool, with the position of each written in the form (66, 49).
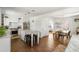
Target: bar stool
(28, 39)
(34, 39)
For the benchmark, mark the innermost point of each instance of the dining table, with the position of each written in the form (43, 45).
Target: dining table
(60, 33)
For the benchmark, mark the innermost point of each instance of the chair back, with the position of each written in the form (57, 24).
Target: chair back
(69, 33)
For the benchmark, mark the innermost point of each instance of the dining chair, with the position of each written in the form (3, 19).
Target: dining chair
(69, 34)
(64, 36)
(56, 35)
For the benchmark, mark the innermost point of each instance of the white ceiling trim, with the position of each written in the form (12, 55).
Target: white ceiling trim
(68, 12)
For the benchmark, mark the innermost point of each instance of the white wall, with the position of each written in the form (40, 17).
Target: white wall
(72, 24)
(41, 23)
(13, 17)
(68, 22)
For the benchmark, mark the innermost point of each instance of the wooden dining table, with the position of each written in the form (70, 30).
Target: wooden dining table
(60, 33)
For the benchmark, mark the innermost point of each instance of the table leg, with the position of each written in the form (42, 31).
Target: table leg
(65, 39)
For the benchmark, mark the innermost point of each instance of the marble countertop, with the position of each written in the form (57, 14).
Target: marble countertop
(5, 42)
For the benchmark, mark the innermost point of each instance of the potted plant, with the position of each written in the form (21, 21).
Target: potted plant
(2, 31)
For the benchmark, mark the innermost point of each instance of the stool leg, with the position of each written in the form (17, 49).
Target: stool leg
(38, 39)
(31, 40)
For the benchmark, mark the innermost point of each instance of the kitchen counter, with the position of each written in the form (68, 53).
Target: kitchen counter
(5, 42)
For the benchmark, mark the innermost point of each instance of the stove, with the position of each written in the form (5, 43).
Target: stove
(14, 31)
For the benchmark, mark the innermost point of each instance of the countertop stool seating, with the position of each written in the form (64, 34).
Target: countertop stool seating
(31, 38)
(28, 39)
(34, 39)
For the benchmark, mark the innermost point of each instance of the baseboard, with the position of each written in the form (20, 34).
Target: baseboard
(44, 36)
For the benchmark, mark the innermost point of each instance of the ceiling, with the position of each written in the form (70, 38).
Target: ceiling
(32, 10)
(67, 12)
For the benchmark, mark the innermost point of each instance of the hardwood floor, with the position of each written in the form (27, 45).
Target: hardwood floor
(46, 45)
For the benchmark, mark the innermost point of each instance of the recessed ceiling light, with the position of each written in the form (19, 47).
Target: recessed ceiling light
(33, 10)
(25, 14)
(28, 12)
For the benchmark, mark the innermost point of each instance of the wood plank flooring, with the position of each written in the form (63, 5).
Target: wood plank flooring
(17, 45)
